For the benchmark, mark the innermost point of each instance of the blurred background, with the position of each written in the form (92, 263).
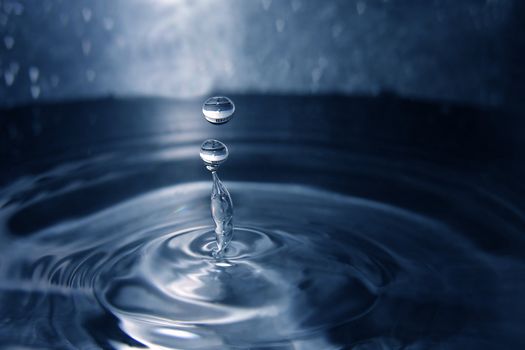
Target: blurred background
(465, 51)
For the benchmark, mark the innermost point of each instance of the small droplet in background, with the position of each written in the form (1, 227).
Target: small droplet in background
(218, 109)
(91, 75)
(9, 77)
(86, 14)
(108, 23)
(360, 7)
(266, 4)
(296, 5)
(18, 8)
(86, 46)
(33, 74)
(279, 25)
(10, 73)
(337, 29)
(35, 91)
(9, 42)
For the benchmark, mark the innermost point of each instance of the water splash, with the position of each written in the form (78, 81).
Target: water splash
(222, 213)
(218, 110)
(213, 153)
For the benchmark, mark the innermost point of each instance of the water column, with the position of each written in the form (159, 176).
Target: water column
(218, 110)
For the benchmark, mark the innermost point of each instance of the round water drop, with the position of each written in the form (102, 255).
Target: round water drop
(218, 110)
(213, 153)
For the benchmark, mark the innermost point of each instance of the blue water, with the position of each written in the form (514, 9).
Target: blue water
(334, 247)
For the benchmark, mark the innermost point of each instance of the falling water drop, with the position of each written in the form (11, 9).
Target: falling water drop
(9, 77)
(33, 74)
(10, 73)
(86, 14)
(9, 42)
(35, 91)
(218, 110)
(91, 75)
(86, 47)
(108, 23)
(214, 153)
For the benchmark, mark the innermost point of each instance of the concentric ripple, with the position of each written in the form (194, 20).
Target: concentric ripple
(306, 269)
(268, 280)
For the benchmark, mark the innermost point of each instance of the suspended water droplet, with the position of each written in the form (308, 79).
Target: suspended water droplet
(86, 14)
(33, 74)
(90, 75)
(337, 29)
(9, 42)
(218, 110)
(296, 5)
(266, 4)
(108, 23)
(9, 77)
(18, 8)
(279, 25)
(360, 7)
(213, 153)
(86, 46)
(35, 91)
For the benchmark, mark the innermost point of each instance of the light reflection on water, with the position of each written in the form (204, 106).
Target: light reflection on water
(307, 268)
(353, 230)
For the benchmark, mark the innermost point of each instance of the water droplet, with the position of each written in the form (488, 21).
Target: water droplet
(296, 5)
(9, 42)
(90, 75)
(86, 14)
(317, 73)
(360, 7)
(86, 46)
(279, 25)
(10, 73)
(35, 91)
(337, 29)
(266, 4)
(9, 77)
(213, 153)
(108, 23)
(218, 110)
(33, 74)
(18, 8)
